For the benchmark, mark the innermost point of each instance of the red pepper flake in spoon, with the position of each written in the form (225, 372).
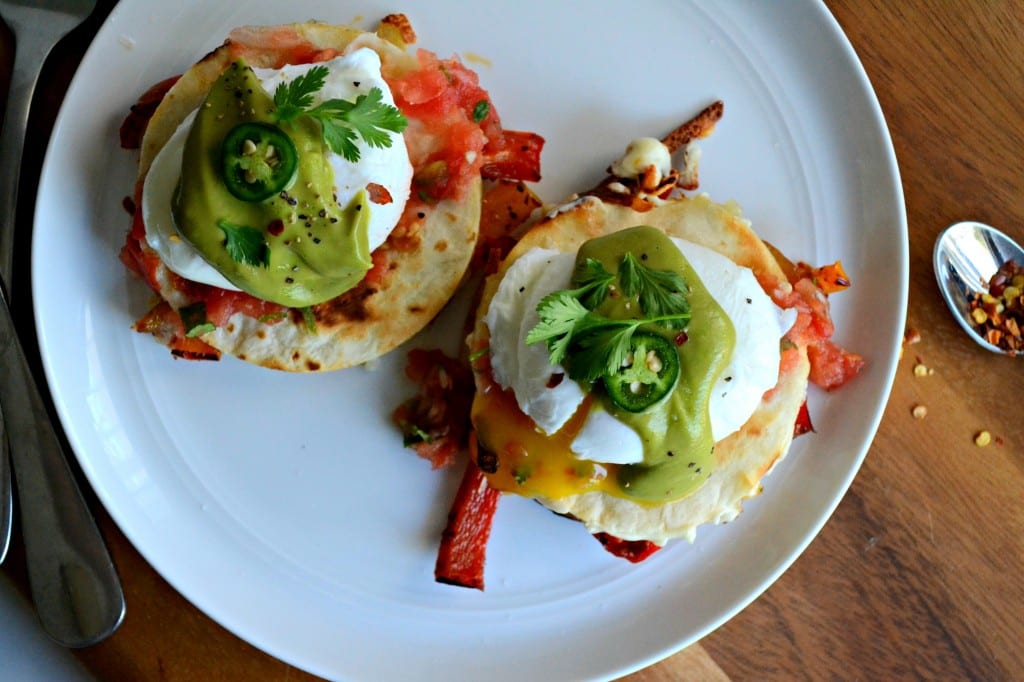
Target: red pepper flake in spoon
(998, 314)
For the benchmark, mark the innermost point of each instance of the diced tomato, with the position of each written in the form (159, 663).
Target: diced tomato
(832, 366)
(633, 551)
(221, 304)
(164, 323)
(436, 421)
(457, 135)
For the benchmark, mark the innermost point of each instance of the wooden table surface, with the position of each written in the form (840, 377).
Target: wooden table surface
(918, 573)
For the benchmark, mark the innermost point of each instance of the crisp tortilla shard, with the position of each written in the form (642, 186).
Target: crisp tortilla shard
(743, 458)
(369, 320)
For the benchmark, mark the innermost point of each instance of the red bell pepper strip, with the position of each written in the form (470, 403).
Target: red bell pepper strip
(463, 550)
(134, 126)
(633, 551)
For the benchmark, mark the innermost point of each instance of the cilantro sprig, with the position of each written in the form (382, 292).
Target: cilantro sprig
(595, 344)
(245, 244)
(341, 121)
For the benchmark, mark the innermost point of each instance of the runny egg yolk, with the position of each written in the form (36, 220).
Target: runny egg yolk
(527, 455)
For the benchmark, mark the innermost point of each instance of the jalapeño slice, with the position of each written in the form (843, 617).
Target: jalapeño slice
(258, 160)
(649, 374)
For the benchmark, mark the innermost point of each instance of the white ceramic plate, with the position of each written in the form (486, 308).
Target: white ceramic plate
(285, 506)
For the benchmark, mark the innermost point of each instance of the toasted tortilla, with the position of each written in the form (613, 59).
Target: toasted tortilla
(366, 321)
(743, 458)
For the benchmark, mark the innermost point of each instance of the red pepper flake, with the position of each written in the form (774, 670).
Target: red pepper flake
(999, 313)
(378, 194)
(681, 338)
(276, 227)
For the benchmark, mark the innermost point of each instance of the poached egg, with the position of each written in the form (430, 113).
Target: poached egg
(348, 77)
(546, 394)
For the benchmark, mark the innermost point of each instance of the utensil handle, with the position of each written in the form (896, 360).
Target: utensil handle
(6, 498)
(75, 587)
(28, 63)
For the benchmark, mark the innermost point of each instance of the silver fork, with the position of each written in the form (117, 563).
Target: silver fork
(74, 584)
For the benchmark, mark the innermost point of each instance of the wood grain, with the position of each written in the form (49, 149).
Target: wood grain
(917, 575)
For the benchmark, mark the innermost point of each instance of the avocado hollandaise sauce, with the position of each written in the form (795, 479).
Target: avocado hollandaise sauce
(297, 246)
(675, 430)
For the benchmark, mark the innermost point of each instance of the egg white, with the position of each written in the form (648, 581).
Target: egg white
(348, 77)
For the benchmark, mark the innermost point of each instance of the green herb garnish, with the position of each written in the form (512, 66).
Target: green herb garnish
(480, 110)
(341, 121)
(413, 434)
(271, 318)
(596, 345)
(245, 244)
(660, 292)
(310, 318)
(593, 280)
(194, 318)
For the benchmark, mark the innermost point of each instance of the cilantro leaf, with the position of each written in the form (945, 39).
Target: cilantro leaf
(292, 99)
(560, 313)
(591, 344)
(593, 280)
(602, 352)
(340, 140)
(368, 117)
(245, 244)
(660, 292)
(341, 121)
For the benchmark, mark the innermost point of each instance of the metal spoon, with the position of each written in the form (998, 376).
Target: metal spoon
(74, 584)
(966, 255)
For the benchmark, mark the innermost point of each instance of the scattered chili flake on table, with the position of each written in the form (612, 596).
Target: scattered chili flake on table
(998, 314)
